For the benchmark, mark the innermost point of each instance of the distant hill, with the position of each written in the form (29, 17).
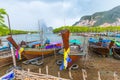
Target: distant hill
(106, 18)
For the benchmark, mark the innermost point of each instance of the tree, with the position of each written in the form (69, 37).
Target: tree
(2, 13)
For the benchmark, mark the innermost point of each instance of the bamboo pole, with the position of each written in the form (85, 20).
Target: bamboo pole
(70, 74)
(9, 24)
(58, 74)
(84, 74)
(99, 77)
(39, 70)
(54, 53)
(13, 56)
(47, 70)
(115, 76)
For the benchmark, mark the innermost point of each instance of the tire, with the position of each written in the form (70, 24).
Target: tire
(59, 62)
(74, 67)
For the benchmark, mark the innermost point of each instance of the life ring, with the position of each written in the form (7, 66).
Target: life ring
(59, 62)
(74, 67)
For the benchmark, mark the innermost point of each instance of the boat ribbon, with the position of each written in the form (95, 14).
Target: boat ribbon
(19, 53)
(66, 52)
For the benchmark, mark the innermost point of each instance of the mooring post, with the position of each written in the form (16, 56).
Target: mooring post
(28, 70)
(70, 75)
(13, 56)
(84, 74)
(115, 76)
(47, 70)
(39, 70)
(99, 77)
(58, 74)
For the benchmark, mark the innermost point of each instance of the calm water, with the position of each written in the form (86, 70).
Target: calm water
(33, 37)
(51, 36)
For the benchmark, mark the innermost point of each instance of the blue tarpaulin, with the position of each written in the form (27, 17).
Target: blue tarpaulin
(75, 41)
(8, 76)
(33, 43)
(93, 40)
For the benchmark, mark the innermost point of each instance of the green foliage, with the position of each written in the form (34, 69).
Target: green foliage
(5, 31)
(75, 29)
(2, 13)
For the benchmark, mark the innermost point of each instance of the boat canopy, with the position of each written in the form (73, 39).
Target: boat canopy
(75, 41)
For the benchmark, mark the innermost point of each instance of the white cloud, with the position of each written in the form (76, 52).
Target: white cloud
(24, 14)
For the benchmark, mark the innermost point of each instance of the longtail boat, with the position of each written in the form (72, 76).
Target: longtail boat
(30, 53)
(100, 47)
(5, 58)
(75, 50)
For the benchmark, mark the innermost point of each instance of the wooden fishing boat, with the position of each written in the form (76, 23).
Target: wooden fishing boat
(30, 53)
(99, 48)
(75, 50)
(5, 58)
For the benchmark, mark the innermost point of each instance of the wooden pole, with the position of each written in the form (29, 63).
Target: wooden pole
(13, 56)
(115, 76)
(47, 70)
(99, 77)
(9, 25)
(39, 70)
(84, 74)
(58, 74)
(70, 75)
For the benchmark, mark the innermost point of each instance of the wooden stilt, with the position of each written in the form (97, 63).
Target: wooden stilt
(54, 53)
(28, 70)
(47, 70)
(115, 76)
(39, 70)
(99, 77)
(70, 75)
(84, 74)
(58, 74)
(13, 56)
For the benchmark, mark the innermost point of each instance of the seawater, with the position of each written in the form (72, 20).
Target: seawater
(32, 37)
(52, 37)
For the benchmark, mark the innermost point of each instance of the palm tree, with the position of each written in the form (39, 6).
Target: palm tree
(2, 13)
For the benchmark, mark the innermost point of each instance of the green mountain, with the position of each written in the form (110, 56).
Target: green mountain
(106, 18)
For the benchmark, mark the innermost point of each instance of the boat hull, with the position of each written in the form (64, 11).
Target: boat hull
(116, 53)
(74, 59)
(33, 53)
(5, 61)
(99, 50)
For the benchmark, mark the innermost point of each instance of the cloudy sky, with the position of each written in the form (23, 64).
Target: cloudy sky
(24, 14)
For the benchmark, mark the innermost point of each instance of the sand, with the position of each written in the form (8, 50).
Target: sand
(92, 64)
